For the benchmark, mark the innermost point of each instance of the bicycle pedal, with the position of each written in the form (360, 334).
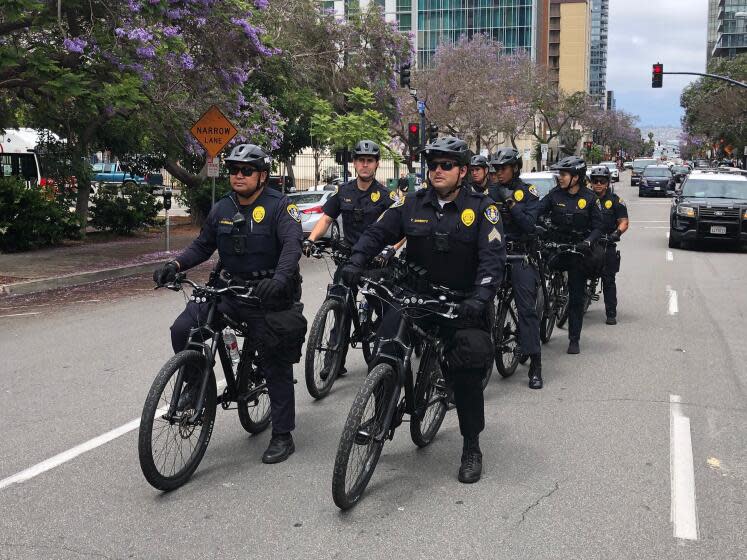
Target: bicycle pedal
(595, 297)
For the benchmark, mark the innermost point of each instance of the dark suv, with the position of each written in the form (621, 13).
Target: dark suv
(709, 206)
(638, 166)
(656, 180)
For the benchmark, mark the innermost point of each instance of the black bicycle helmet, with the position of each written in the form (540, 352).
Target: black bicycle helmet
(572, 164)
(448, 146)
(251, 154)
(601, 171)
(506, 156)
(366, 148)
(479, 161)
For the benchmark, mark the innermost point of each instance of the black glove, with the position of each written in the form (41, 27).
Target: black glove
(504, 194)
(268, 289)
(308, 247)
(471, 308)
(166, 274)
(383, 258)
(583, 247)
(614, 237)
(351, 274)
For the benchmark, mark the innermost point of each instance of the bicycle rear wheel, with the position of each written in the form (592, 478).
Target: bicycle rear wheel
(254, 413)
(171, 448)
(363, 436)
(430, 401)
(505, 338)
(547, 318)
(323, 354)
(562, 300)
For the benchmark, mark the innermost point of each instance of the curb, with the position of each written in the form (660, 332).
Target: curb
(46, 284)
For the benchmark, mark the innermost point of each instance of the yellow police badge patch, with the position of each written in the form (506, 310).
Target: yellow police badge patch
(294, 213)
(375, 196)
(608, 204)
(534, 191)
(582, 203)
(492, 214)
(258, 214)
(518, 195)
(468, 217)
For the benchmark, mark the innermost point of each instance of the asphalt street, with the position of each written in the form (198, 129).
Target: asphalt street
(636, 448)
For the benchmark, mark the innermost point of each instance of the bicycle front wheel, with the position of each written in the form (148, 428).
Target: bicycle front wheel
(363, 436)
(505, 338)
(561, 301)
(171, 446)
(547, 318)
(430, 401)
(324, 348)
(254, 412)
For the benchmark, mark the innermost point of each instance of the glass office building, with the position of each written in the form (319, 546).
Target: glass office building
(598, 63)
(727, 33)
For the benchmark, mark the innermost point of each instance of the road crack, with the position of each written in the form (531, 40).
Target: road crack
(536, 503)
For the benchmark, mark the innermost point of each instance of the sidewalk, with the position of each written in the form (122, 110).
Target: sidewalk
(99, 257)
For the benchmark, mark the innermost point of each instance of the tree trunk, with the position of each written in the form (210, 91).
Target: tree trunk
(289, 171)
(190, 181)
(81, 205)
(479, 138)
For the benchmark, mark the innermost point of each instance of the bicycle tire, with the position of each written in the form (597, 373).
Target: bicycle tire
(155, 407)
(315, 358)
(547, 319)
(378, 387)
(254, 414)
(486, 377)
(506, 339)
(563, 301)
(427, 395)
(587, 295)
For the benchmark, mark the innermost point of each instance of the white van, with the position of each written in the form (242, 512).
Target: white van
(18, 157)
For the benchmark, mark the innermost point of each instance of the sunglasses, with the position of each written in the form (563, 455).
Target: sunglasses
(599, 181)
(445, 165)
(245, 171)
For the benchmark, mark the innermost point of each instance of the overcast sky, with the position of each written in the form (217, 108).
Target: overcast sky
(642, 32)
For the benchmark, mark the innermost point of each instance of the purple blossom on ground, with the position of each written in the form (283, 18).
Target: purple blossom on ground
(75, 45)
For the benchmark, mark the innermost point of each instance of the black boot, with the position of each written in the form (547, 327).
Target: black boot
(280, 448)
(611, 320)
(573, 347)
(471, 467)
(535, 372)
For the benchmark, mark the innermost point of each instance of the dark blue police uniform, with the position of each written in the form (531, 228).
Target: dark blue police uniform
(460, 245)
(270, 240)
(519, 223)
(613, 210)
(574, 217)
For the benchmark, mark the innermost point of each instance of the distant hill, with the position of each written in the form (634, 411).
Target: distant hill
(662, 133)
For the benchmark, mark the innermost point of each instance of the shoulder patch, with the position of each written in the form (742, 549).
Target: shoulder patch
(393, 195)
(534, 191)
(518, 195)
(621, 201)
(294, 213)
(582, 203)
(492, 214)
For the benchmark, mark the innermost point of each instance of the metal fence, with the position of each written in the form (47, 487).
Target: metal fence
(310, 170)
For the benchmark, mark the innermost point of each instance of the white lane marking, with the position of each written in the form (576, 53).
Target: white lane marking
(672, 308)
(683, 514)
(73, 452)
(670, 256)
(21, 314)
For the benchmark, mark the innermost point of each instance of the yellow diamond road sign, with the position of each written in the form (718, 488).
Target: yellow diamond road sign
(213, 131)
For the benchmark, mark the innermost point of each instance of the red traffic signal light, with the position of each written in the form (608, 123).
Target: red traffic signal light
(657, 75)
(414, 128)
(413, 139)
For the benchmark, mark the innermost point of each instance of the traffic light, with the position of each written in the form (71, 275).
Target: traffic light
(432, 132)
(404, 76)
(657, 75)
(413, 139)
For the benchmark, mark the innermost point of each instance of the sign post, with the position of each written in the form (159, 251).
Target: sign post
(213, 131)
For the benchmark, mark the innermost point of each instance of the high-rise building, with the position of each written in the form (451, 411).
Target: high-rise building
(598, 55)
(569, 44)
(727, 33)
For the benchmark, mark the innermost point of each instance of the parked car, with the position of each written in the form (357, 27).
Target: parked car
(656, 179)
(543, 180)
(627, 165)
(614, 171)
(331, 185)
(282, 183)
(113, 173)
(709, 206)
(638, 166)
(310, 205)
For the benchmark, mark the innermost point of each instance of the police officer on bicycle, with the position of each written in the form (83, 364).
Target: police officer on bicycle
(455, 234)
(255, 229)
(518, 205)
(575, 215)
(615, 219)
(360, 201)
(478, 174)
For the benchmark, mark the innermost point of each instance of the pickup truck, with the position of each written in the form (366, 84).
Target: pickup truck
(112, 173)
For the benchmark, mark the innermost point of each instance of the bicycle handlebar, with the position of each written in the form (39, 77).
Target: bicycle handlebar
(369, 286)
(200, 292)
